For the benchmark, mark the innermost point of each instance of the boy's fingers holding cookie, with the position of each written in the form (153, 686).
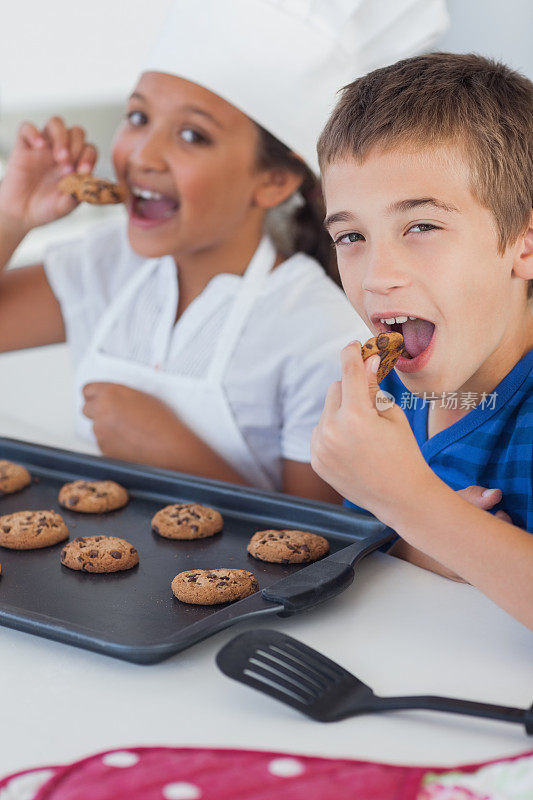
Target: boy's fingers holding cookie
(354, 383)
(371, 366)
(333, 398)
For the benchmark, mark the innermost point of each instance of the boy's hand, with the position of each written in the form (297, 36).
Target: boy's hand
(28, 192)
(485, 499)
(129, 424)
(363, 445)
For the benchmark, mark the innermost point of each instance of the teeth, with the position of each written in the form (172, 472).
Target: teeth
(146, 194)
(395, 320)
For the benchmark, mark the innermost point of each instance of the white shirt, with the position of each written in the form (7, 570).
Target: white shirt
(282, 365)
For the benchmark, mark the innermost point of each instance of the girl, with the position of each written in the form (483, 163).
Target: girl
(199, 346)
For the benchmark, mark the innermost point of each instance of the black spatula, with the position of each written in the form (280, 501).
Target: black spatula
(303, 678)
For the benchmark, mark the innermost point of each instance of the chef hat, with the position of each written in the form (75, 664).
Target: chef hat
(281, 62)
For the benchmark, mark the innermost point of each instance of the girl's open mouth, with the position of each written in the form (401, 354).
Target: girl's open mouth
(147, 208)
(419, 340)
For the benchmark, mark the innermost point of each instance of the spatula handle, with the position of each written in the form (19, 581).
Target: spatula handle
(324, 579)
(468, 707)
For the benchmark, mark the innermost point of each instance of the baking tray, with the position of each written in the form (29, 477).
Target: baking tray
(133, 615)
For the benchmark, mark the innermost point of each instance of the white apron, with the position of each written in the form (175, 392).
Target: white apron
(200, 403)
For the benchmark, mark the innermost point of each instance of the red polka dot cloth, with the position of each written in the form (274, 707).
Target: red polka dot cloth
(166, 773)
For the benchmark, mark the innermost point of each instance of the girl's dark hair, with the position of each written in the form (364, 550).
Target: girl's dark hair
(306, 225)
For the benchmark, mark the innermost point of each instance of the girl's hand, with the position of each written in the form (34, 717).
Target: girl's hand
(130, 425)
(363, 445)
(29, 196)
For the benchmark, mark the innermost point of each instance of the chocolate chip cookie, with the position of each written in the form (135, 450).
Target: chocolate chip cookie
(389, 347)
(89, 189)
(187, 521)
(99, 554)
(207, 587)
(31, 530)
(287, 547)
(13, 477)
(93, 497)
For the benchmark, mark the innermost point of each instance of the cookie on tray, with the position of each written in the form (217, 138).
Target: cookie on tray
(93, 497)
(13, 477)
(187, 521)
(89, 189)
(389, 347)
(99, 554)
(208, 587)
(287, 547)
(31, 530)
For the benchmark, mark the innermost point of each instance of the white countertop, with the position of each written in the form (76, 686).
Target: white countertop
(400, 629)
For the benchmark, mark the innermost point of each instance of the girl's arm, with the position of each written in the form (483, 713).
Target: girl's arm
(135, 426)
(301, 480)
(30, 314)
(29, 197)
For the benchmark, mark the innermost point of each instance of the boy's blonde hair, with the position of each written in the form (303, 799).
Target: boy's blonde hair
(479, 105)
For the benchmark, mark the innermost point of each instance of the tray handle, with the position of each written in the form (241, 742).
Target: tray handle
(324, 579)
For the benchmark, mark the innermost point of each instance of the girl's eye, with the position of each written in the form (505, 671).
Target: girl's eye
(422, 227)
(192, 136)
(349, 238)
(136, 118)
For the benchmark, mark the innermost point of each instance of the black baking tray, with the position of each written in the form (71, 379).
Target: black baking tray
(133, 615)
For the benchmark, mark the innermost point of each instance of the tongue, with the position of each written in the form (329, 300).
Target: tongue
(155, 209)
(417, 335)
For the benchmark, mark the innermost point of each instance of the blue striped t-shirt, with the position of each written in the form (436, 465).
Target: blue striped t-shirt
(491, 446)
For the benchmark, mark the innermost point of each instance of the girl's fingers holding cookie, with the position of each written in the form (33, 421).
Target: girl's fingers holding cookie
(76, 142)
(30, 136)
(87, 159)
(58, 136)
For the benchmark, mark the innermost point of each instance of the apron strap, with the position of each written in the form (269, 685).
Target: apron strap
(253, 281)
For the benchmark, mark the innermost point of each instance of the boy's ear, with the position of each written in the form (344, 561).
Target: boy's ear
(523, 266)
(275, 186)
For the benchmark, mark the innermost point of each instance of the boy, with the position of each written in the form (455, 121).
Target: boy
(428, 174)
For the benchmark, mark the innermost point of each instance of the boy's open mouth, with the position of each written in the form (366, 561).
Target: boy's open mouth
(417, 332)
(150, 205)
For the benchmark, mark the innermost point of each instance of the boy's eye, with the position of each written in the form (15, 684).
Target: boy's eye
(422, 227)
(191, 136)
(136, 118)
(349, 238)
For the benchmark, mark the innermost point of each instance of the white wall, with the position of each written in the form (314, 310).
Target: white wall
(69, 52)
(501, 29)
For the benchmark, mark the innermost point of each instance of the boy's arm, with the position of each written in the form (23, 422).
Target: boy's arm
(371, 457)
(488, 552)
(479, 496)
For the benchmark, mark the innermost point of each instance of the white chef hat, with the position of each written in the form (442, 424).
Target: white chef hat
(281, 62)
